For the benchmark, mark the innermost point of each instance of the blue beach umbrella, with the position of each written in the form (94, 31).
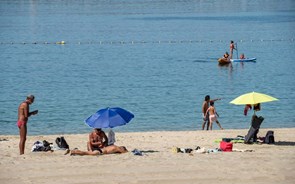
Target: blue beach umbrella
(109, 118)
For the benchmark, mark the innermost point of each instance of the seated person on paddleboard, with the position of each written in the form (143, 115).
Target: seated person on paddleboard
(242, 56)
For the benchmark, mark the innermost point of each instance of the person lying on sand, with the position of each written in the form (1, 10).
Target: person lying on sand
(106, 150)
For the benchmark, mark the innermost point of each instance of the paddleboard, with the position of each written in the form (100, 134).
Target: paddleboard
(244, 60)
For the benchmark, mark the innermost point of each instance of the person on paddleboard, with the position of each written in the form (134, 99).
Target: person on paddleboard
(242, 56)
(231, 48)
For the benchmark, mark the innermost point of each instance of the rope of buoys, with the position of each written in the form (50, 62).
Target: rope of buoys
(147, 42)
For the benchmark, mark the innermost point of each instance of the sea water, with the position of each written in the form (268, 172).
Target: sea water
(157, 59)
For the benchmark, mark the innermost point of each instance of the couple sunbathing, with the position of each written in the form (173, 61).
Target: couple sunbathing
(98, 145)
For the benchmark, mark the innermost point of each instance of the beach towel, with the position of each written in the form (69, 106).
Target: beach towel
(238, 139)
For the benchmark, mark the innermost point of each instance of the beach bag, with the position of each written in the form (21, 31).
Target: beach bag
(226, 146)
(46, 146)
(61, 143)
(269, 138)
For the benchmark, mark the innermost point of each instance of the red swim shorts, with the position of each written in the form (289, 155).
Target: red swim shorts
(21, 123)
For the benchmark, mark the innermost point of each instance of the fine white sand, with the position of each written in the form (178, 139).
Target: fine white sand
(266, 164)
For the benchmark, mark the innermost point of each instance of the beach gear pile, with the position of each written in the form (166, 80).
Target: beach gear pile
(41, 146)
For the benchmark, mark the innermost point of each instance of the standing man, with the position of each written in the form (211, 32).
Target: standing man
(205, 107)
(231, 48)
(23, 117)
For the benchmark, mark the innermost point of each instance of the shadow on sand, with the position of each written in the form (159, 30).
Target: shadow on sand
(284, 143)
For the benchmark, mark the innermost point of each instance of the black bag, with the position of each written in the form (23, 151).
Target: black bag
(46, 145)
(269, 138)
(62, 143)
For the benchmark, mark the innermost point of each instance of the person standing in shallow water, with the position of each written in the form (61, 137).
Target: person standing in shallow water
(205, 114)
(23, 117)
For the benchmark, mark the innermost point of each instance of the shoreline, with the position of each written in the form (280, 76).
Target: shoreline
(159, 164)
(155, 131)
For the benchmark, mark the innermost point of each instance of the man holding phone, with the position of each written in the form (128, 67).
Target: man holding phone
(23, 117)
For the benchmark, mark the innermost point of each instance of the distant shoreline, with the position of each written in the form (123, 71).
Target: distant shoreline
(139, 132)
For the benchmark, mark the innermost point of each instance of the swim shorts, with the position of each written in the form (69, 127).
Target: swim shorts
(21, 123)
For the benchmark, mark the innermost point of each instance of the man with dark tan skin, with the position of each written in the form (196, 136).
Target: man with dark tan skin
(205, 106)
(97, 140)
(106, 150)
(23, 117)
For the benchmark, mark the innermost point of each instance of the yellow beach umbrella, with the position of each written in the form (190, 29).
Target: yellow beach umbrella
(252, 98)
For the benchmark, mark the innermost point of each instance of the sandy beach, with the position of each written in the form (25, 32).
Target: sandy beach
(265, 164)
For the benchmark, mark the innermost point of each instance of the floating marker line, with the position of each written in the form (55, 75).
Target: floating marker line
(142, 42)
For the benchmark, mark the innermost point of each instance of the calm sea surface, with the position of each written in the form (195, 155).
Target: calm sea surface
(155, 58)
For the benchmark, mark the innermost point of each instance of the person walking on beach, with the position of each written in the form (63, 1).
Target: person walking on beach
(205, 107)
(23, 117)
(213, 115)
(231, 49)
(97, 140)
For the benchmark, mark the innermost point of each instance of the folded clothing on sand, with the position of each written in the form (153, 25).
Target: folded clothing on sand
(184, 150)
(41, 146)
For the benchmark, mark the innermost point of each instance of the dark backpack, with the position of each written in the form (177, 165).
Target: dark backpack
(269, 138)
(46, 145)
(62, 143)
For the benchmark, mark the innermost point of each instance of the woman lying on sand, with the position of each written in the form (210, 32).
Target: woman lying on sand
(106, 150)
